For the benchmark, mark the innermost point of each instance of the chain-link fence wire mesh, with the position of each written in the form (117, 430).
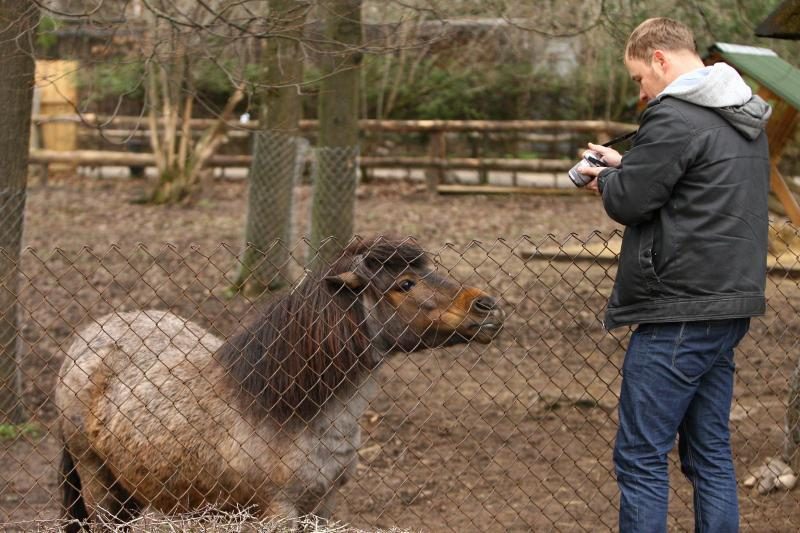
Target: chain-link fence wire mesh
(515, 434)
(278, 161)
(334, 179)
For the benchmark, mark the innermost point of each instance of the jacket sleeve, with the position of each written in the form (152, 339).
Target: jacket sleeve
(643, 183)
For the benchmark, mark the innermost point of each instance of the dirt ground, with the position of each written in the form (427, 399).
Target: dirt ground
(512, 436)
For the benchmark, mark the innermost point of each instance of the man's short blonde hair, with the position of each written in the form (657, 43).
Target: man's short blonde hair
(659, 34)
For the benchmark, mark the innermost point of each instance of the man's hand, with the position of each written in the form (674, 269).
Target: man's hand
(592, 171)
(610, 157)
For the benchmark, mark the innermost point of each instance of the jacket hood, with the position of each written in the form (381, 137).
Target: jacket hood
(721, 88)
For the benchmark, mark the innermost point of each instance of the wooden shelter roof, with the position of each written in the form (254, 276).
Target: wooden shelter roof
(778, 81)
(763, 66)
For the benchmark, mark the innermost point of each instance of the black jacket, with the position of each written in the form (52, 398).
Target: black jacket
(692, 193)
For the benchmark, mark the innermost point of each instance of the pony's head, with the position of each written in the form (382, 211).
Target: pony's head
(380, 296)
(407, 304)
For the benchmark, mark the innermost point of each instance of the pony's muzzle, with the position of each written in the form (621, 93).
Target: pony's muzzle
(492, 317)
(484, 304)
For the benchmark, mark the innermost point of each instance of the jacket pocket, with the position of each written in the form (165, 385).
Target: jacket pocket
(645, 253)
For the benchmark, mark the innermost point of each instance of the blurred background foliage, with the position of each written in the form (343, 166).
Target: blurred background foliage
(436, 59)
(458, 59)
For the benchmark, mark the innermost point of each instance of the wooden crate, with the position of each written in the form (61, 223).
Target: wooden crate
(57, 94)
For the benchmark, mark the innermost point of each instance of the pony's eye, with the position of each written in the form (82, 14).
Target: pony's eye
(406, 285)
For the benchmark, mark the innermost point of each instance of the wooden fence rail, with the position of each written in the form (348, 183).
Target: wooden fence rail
(436, 163)
(369, 125)
(91, 158)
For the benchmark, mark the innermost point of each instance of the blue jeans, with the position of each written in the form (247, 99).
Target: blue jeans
(677, 379)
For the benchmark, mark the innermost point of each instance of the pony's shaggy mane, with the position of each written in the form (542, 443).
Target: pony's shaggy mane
(311, 343)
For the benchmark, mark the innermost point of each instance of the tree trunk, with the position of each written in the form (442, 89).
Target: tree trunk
(336, 170)
(17, 23)
(275, 150)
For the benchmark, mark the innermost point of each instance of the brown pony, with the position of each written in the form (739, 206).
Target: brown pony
(156, 411)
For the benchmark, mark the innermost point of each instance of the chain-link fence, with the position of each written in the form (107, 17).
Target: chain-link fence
(335, 176)
(278, 161)
(278, 165)
(173, 397)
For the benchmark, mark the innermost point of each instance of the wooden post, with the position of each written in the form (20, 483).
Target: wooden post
(437, 149)
(36, 136)
(483, 174)
(515, 153)
(779, 130)
(781, 190)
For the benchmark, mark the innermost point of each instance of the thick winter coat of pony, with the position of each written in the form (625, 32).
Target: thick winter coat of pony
(156, 411)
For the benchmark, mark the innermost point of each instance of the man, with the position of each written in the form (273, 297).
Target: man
(692, 195)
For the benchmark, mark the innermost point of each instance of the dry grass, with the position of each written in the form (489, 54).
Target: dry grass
(210, 521)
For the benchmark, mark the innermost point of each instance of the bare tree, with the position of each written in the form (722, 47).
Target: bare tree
(275, 152)
(336, 169)
(17, 26)
(174, 46)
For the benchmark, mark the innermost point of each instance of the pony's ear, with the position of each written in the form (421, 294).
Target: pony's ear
(351, 280)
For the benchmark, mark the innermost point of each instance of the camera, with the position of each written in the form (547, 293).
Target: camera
(590, 159)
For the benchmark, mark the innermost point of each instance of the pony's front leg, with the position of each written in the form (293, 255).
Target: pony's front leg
(283, 508)
(107, 500)
(327, 504)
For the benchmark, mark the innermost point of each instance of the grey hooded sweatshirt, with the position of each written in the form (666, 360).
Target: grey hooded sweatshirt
(692, 195)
